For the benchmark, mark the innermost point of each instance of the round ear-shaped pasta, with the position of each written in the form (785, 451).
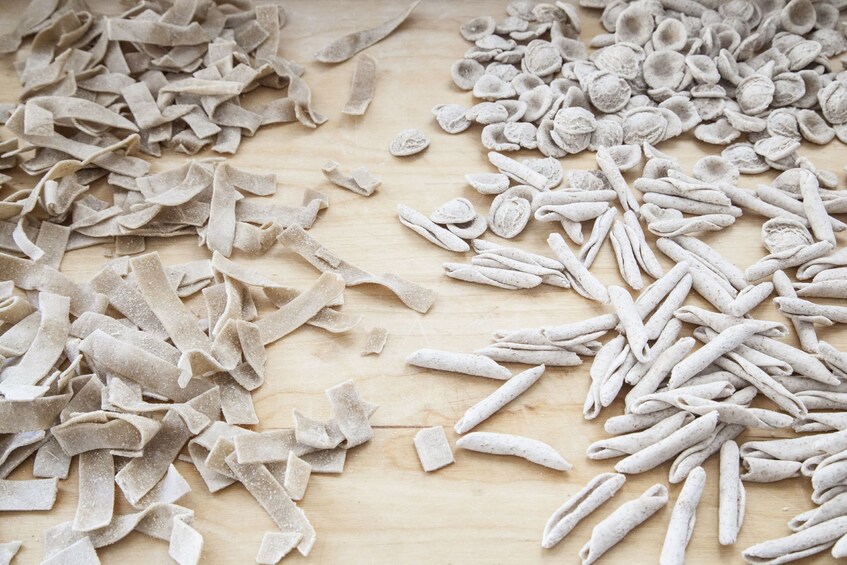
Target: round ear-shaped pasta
(715, 169)
(670, 34)
(465, 73)
(814, 128)
(608, 92)
(754, 94)
(703, 69)
(664, 69)
(783, 234)
(798, 17)
(477, 28)
(720, 132)
(634, 25)
(684, 109)
(492, 87)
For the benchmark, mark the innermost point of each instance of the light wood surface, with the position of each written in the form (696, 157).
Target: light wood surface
(384, 508)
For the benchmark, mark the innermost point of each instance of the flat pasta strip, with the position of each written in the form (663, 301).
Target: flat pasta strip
(351, 414)
(155, 521)
(81, 552)
(270, 446)
(176, 318)
(345, 47)
(97, 430)
(301, 309)
(359, 180)
(128, 300)
(415, 297)
(142, 474)
(297, 473)
(272, 497)
(276, 545)
(532, 450)
(170, 489)
(96, 502)
(134, 363)
(8, 551)
(48, 345)
(598, 491)
(29, 415)
(375, 341)
(362, 87)
(186, 544)
(31, 495)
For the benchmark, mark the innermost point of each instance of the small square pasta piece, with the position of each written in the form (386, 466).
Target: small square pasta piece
(433, 448)
(375, 341)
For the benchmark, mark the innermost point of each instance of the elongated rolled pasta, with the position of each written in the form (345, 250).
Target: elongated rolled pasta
(660, 369)
(598, 491)
(633, 327)
(580, 278)
(683, 519)
(507, 392)
(656, 454)
(464, 363)
(833, 508)
(726, 341)
(532, 450)
(668, 336)
(623, 520)
(732, 498)
(628, 444)
(800, 544)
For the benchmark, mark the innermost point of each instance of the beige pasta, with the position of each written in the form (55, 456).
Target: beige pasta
(346, 46)
(623, 520)
(276, 545)
(464, 363)
(683, 518)
(362, 87)
(506, 393)
(598, 491)
(532, 450)
(433, 449)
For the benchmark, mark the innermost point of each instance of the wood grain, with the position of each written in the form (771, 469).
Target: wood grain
(384, 509)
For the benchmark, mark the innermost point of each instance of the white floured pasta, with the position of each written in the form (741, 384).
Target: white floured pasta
(623, 520)
(464, 363)
(532, 450)
(683, 518)
(507, 392)
(598, 491)
(732, 497)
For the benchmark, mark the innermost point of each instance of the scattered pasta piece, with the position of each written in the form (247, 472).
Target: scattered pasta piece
(433, 448)
(362, 87)
(375, 341)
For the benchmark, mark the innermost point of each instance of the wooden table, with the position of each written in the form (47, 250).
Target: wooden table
(384, 508)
